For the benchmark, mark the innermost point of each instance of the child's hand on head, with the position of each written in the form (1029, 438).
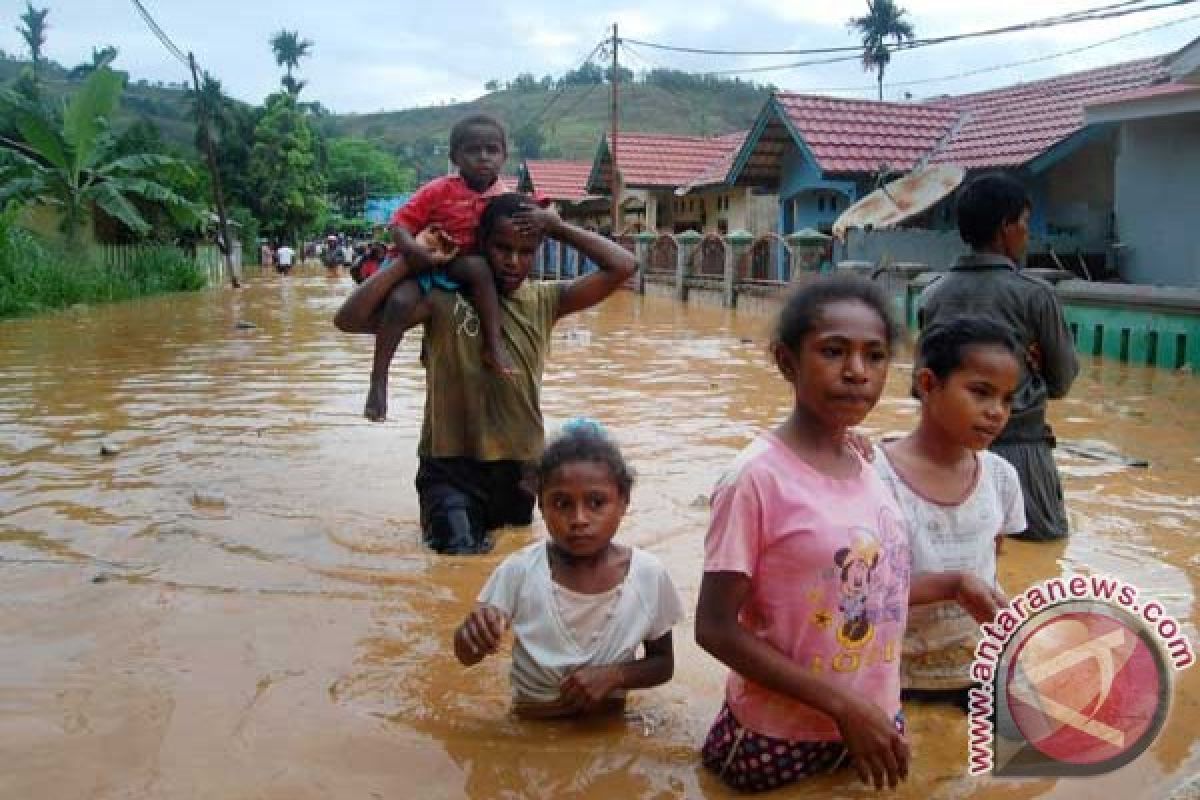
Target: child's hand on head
(587, 687)
(536, 221)
(482, 630)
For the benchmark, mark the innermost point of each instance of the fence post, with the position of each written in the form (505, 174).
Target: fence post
(641, 249)
(688, 241)
(735, 247)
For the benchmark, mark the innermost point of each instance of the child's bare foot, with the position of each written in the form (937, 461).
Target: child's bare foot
(376, 405)
(498, 361)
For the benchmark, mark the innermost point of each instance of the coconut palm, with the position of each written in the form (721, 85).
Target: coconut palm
(100, 58)
(66, 164)
(884, 20)
(289, 49)
(34, 32)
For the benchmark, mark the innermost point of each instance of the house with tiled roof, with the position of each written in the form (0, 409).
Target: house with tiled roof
(675, 183)
(1156, 173)
(563, 184)
(821, 154)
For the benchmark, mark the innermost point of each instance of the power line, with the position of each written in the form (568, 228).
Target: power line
(160, 34)
(1112, 11)
(1011, 64)
(967, 74)
(550, 101)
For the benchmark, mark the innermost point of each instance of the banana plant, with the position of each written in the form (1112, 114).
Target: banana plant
(67, 165)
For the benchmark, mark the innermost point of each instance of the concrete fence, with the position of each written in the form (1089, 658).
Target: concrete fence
(1147, 325)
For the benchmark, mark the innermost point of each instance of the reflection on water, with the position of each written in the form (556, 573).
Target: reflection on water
(236, 604)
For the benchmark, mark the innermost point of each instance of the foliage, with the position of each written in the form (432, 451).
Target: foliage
(884, 20)
(34, 31)
(528, 141)
(69, 164)
(186, 178)
(587, 75)
(36, 276)
(100, 58)
(289, 49)
(356, 167)
(286, 182)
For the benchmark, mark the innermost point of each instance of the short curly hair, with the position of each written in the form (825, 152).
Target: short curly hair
(461, 128)
(585, 442)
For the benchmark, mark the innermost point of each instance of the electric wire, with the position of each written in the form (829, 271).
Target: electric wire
(1112, 11)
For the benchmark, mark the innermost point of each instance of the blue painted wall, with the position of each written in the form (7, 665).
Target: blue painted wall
(805, 195)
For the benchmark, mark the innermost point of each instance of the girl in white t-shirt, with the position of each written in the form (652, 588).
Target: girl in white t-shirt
(579, 605)
(958, 498)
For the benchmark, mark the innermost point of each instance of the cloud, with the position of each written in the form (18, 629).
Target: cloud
(369, 55)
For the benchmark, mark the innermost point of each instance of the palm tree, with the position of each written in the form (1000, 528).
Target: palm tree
(100, 58)
(34, 31)
(65, 164)
(289, 49)
(884, 20)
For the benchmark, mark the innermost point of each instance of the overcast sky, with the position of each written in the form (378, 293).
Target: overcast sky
(380, 55)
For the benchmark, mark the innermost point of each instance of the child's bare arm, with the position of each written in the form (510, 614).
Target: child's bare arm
(479, 635)
(880, 753)
(588, 687)
(976, 597)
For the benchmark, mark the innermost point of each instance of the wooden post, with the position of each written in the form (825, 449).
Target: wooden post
(226, 244)
(616, 179)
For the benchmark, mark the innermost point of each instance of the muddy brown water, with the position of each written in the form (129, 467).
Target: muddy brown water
(236, 604)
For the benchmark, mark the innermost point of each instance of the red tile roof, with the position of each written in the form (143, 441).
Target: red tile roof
(1159, 90)
(1011, 126)
(858, 135)
(657, 160)
(559, 180)
(718, 171)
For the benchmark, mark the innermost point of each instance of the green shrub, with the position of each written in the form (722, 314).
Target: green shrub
(37, 276)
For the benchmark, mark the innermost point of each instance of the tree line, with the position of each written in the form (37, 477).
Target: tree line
(65, 146)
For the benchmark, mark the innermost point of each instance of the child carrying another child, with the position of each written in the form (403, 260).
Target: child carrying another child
(579, 605)
(434, 235)
(957, 497)
(807, 567)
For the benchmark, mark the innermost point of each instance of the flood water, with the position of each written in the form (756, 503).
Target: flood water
(237, 605)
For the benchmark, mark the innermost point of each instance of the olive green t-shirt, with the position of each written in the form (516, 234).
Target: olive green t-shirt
(472, 412)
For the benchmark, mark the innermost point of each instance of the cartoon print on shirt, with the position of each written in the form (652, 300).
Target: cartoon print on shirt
(857, 565)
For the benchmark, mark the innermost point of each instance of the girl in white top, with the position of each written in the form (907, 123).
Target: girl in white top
(579, 604)
(958, 498)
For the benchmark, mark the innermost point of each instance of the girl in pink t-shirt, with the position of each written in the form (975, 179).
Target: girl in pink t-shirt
(807, 565)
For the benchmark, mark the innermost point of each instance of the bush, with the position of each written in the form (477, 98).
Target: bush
(38, 276)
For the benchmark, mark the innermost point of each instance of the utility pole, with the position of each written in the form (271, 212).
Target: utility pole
(225, 245)
(616, 177)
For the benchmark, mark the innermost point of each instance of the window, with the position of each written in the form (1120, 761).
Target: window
(821, 202)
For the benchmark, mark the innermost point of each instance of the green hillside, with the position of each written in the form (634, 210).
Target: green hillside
(570, 121)
(571, 126)
(164, 105)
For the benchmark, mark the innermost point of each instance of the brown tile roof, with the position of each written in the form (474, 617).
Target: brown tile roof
(660, 160)
(1011, 126)
(558, 180)
(858, 135)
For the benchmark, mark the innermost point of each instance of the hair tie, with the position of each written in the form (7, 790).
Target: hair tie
(585, 425)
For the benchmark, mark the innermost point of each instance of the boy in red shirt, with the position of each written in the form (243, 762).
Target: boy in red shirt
(434, 234)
